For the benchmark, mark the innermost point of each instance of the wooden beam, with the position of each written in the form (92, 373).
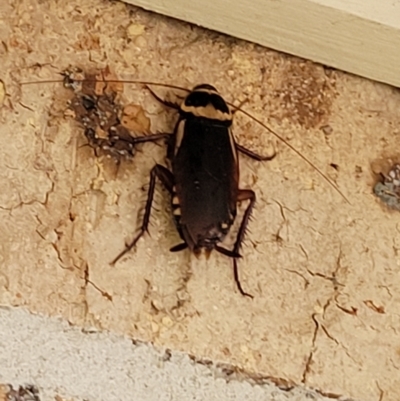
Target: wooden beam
(358, 36)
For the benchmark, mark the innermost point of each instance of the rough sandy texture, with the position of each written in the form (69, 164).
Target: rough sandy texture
(324, 273)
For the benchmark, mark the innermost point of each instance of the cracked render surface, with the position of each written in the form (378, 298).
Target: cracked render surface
(324, 273)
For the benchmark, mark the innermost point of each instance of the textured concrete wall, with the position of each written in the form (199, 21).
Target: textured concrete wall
(324, 273)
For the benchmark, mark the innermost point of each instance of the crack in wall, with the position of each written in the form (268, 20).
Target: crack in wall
(381, 392)
(30, 202)
(333, 278)
(307, 367)
(87, 281)
(331, 301)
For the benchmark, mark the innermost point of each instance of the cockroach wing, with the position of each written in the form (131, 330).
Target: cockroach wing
(206, 177)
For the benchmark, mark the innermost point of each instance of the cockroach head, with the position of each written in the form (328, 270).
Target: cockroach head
(204, 101)
(205, 87)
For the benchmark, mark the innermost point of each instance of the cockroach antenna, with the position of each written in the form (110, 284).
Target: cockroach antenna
(240, 109)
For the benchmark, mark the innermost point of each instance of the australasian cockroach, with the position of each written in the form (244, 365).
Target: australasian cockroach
(204, 179)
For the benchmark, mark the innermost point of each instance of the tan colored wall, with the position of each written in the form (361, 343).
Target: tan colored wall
(324, 273)
(358, 36)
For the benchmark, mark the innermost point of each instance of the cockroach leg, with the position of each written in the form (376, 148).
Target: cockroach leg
(165, 176)
(237, 280)
(163, 101)
(179, 247)
(149, 138)
(253, 155)
(227, 252)
(244, 194)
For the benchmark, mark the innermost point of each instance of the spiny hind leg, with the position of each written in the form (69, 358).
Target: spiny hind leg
(244, 194)
(167, 179)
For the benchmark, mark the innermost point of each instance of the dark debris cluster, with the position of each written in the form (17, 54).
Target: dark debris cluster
(388, 189)
(23, 393)
(108, 126)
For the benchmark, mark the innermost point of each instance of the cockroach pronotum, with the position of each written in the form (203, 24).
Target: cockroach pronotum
(204, 178)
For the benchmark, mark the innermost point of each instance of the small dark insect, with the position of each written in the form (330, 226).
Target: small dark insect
(96, 108)
(204, 181)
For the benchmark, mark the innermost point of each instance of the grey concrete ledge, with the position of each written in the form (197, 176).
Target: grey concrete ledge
(65, 361)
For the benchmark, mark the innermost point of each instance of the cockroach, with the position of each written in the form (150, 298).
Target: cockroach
(204, 181)
(204, 177)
